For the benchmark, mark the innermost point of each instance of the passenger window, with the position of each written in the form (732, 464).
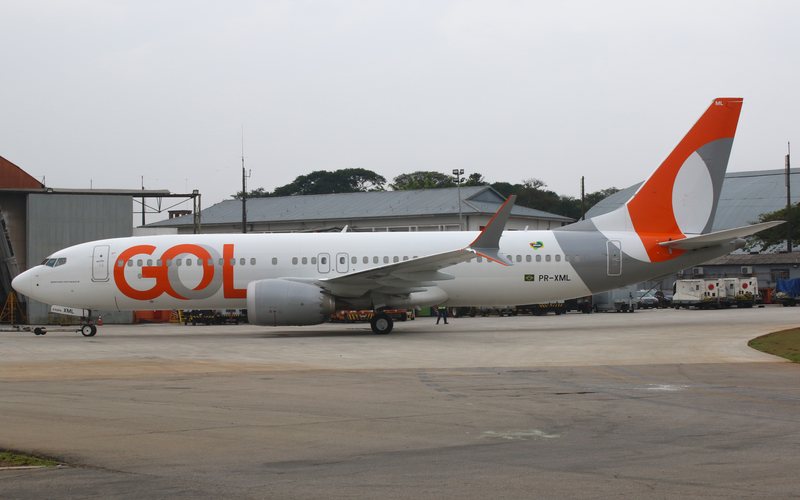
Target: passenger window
(365, 260)
(169, 262)
(558, 258)
(188, 262)
(538, 258)
(305, 260)
(242, 261)
(527, 258)
(519, 258)
(386, 260)
(375, 260)
(120, 263)
(395, 259)
(294, 261)
(252, 261)
(274, 261)
(139, 263)
(199, 262)
(314, 260)
(233, 262)
(547, 258)
(178, 262)
(323, 260)
(342, 260)
(221, 262)
(405, 257)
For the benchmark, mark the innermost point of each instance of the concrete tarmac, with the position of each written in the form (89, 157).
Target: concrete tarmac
(654, 403)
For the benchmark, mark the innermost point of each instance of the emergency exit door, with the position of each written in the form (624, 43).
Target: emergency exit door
(100, 263)
(614, 248)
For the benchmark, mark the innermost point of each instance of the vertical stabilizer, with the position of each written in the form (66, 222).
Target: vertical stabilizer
(680, 198)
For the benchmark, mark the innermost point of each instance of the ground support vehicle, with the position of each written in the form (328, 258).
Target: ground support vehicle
(214, 316)
(367, 315)
(739, 292)
(787, 292)
(699, 293)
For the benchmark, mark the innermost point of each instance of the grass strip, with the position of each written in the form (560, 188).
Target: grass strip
(14, 459)
(785, 344)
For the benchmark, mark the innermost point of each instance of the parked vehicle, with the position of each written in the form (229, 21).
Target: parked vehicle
(699, 293)
(787, 292)
(739, 292)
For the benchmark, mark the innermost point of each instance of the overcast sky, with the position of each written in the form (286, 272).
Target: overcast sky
(104, 92)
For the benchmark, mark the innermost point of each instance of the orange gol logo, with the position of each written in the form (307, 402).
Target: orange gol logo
(167, 279)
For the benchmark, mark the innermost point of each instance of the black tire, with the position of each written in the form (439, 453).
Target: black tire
(39, 331)
(88, 330)
(381, 324)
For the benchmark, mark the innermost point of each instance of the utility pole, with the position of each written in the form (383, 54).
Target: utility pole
(583, 201)
(244, 189)
(458, 173)
(143, 222)
(788, 197)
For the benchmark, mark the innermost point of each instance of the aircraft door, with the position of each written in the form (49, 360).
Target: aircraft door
(614, 248)
(100, 263)
(341, 263)
(324, 263)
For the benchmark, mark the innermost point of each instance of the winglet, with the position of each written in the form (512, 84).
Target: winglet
(487, 244)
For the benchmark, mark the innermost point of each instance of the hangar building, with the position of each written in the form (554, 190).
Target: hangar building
(37, 220)
(414, 210)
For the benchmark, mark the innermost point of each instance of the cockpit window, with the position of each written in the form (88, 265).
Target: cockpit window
(54, 262)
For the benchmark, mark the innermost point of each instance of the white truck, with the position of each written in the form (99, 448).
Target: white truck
(739, 292)
(699, 293)
(715, 293)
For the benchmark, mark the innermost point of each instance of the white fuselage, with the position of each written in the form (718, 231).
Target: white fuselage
(212, 271)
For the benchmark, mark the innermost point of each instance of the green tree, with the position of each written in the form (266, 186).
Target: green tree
(346, 180)
(255, 193)
(422, 179)
(777, 235)
(475, 179)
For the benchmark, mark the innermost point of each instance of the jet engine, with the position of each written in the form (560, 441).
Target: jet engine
(276, 302)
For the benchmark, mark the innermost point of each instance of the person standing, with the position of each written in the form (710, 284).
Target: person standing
(441, 313)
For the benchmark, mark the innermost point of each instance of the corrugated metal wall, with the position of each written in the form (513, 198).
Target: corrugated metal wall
(56, 221)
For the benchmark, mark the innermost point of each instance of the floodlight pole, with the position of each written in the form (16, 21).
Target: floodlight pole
(788, 197)
(458, 173)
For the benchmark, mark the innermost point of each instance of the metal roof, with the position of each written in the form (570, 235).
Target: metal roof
(368, 205)
(754, 259)
(744, 196)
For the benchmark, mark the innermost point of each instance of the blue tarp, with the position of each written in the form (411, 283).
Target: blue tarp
(789, 287)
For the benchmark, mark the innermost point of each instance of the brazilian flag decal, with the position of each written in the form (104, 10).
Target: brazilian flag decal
(536, 245)
(529, 277)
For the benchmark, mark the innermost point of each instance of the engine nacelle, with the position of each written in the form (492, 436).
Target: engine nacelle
(275, 302)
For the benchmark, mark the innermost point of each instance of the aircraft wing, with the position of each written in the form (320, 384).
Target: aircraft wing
(415, 275)
(718, 237)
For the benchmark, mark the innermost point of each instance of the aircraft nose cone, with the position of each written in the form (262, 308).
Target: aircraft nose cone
(24, 283)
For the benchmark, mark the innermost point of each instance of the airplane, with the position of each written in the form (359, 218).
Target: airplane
(299, 279)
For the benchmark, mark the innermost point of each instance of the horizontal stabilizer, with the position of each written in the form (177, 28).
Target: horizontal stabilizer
(718, 237)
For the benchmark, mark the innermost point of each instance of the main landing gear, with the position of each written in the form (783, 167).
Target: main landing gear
(381, 323)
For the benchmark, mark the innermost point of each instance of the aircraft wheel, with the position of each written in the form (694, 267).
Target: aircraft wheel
(88, 330)
(39, 331)
(381, 324)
